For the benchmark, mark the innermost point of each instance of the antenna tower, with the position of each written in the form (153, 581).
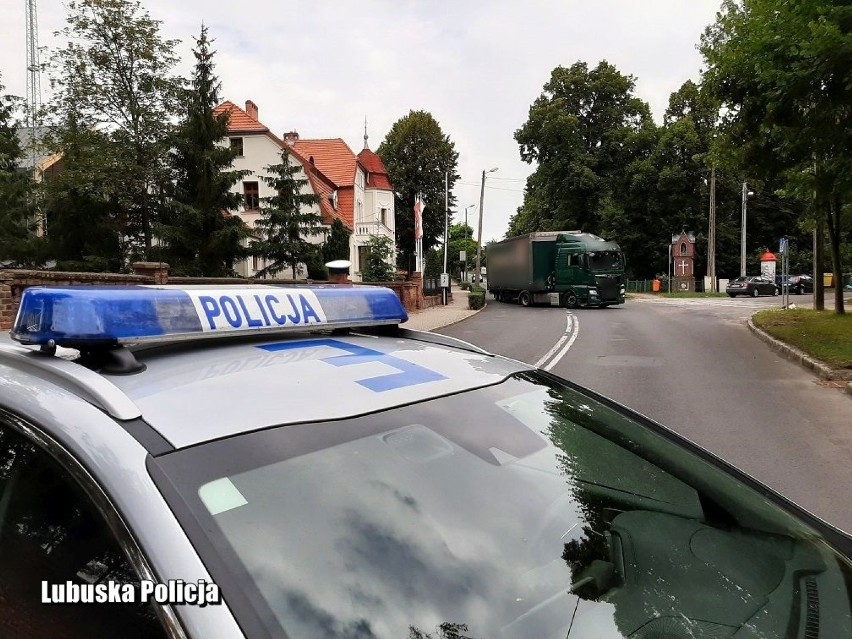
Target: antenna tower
(33, 66)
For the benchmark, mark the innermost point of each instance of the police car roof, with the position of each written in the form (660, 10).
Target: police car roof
(216, 390)
(204, 363)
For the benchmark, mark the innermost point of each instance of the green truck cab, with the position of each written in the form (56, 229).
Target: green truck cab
(559, 268)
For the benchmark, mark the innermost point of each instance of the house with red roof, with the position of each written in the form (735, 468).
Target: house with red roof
(364, 193)
(353, 189)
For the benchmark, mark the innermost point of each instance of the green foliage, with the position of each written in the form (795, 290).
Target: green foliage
(782, 72)
(460, 240)
(582, 133)
(336, 245)
(476, 299)
(315, 264)
(465, 286)
(286, 219)
(433, 264)
(113, 74)
(18, 242)
(81, 216)
(417, 154)
(380, 257)
(199, 238)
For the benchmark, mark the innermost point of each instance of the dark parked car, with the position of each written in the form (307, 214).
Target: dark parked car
(753, 286)
(798, 284)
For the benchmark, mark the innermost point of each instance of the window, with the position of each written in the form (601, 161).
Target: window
(251, 196)
(254, 262)
(383, 216)
(51, 532)
(683, 248)
(236, 146)
(363, 256)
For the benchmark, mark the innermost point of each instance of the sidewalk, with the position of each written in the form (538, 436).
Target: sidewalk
(439, 316)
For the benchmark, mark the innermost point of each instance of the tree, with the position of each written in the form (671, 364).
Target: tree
(83, 231)
(582, 132)
(461, 239)
(380, 257)
(114, 75)
(336, 246)
(200, 237)
(782, 72)
(18, 243)
(418, 155)
(285, 219)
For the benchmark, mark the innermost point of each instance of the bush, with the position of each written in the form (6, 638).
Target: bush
(465, 286)
(476, 300)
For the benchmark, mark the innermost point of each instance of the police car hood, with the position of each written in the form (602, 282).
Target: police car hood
(202, 394)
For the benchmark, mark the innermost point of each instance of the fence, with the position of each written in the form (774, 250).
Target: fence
(647, 286)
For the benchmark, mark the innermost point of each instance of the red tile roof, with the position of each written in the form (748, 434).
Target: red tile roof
(323, 187)
(238, 120)
(333, 157)
(377, 175)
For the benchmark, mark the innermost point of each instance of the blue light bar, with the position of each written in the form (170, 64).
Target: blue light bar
(85, 316)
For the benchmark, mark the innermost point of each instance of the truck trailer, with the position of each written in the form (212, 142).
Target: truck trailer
(559, 268)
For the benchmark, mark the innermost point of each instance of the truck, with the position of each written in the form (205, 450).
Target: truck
(559, 268)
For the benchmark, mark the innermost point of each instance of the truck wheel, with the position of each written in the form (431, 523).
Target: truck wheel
(570, 300)
(524, 298)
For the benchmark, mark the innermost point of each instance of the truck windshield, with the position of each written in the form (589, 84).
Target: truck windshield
(605, 261)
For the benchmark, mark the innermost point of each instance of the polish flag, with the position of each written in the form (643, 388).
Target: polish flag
(418, 217)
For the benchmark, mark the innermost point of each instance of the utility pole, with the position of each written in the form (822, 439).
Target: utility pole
(446, 290)
(478, 272)
(746, 194)
(711, 236)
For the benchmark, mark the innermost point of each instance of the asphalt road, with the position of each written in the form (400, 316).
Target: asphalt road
(694, 366)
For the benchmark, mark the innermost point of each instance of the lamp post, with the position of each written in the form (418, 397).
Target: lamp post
(479, 230)
(467, 237)
(746, 194)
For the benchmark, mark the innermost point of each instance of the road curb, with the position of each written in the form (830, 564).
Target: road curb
(461, 319)
(803, 359)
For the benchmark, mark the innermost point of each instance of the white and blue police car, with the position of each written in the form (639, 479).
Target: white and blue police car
(290, 462)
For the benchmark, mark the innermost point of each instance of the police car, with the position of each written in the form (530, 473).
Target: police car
(291, 462)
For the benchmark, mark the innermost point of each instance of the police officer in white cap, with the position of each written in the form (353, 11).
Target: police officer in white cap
(338, 271)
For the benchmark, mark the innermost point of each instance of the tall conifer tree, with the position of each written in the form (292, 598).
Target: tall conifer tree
(200, 236)
(287, 219)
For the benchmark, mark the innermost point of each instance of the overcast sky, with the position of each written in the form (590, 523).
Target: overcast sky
(321, 67)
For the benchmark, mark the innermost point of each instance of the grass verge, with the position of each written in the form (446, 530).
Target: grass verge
(823, 335)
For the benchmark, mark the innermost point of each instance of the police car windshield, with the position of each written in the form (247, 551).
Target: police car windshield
(546, 514)
(600, 261)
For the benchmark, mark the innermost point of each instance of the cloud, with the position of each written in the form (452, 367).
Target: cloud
(322, 67)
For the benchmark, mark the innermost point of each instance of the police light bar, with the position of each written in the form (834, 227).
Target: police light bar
(86, 316)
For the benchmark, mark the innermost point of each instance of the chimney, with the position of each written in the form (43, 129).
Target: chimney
(291, 137)
(251, 109)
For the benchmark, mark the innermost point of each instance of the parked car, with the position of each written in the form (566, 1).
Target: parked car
(798, 284)
(753, 286)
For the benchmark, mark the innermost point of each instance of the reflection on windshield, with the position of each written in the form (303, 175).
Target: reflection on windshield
(600, 261)
(548, 514)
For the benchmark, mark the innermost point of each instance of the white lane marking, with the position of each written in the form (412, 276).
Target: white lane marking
(570, 343)
(558, 344)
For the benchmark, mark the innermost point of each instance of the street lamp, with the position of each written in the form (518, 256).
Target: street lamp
(479, 230)
(746, 195)
(467, 237)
